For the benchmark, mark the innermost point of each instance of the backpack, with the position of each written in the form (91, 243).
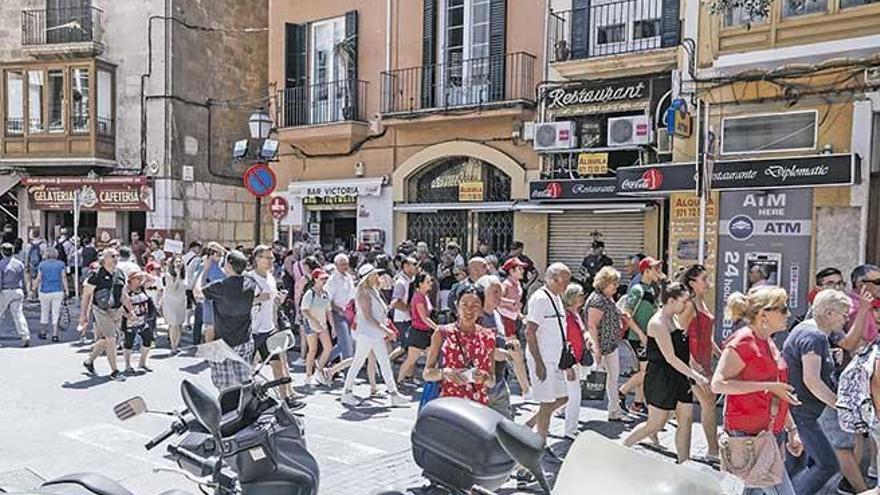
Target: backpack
(35, 256)
(855, 409)
(62, 253)
(109, 298)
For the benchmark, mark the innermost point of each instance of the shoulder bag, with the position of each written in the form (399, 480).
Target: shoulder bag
(566, 357)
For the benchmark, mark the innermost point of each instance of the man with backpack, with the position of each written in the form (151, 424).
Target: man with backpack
(104, 292)
(34, 253)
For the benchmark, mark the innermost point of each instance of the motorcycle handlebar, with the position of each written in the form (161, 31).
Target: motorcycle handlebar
(176, 427)
(275, 383)
(199, 461)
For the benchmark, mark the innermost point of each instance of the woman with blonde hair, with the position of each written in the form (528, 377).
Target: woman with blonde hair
(753, 376)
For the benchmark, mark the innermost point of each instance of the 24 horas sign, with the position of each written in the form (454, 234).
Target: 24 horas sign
(133, 193)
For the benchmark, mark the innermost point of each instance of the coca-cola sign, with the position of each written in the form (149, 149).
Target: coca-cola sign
(656, 179)
(567, 190)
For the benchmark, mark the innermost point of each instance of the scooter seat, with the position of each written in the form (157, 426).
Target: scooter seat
(94, 483)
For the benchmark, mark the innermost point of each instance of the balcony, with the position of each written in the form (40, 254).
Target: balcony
(58, 113)
(62, 32)
(483, 83)
(335, 110)
(604, 39)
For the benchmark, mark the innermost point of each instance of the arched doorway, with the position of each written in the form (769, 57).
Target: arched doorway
(467, 200)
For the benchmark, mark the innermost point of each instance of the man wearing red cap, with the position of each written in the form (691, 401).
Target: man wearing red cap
(641, 304)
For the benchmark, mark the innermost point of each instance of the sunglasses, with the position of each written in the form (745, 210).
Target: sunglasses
(874, 281)
(782, 309)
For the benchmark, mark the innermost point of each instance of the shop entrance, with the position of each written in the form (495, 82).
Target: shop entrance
(473, 204)
(334, 228)
(56, 220)
(9, 213)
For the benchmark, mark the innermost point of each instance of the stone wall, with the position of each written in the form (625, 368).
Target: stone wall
(216, 212)
(837, 238)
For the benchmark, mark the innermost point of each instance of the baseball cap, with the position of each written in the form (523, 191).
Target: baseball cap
(513, 263)
(452, 245)
(647, 263)
(152, 266)
(319, 273)
(135, 275)
(7, 245)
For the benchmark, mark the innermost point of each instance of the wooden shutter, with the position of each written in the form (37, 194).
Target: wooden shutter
(580, 29)
(497, 48)
(429, 53)
(293, 105)
(670, 24)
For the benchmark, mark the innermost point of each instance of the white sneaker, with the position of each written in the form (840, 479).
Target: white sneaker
(872, 472)
(310, 381)
(319, 378)
(398, 400)
(349, 399)
(529, 396)
(299, 362)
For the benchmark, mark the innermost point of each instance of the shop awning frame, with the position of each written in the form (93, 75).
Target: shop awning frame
(435, 207)
(607, 208)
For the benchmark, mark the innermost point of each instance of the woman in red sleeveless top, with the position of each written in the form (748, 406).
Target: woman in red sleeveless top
(699, 323)
(752, 373)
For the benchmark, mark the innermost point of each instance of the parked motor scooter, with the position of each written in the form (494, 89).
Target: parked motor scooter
(466, 448)
(251, 445)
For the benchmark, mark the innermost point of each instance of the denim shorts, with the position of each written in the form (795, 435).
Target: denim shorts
(839, 439)
(307, 328)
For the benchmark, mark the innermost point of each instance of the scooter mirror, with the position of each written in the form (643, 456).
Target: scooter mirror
(204, 407)
(525, 447)
(279, 343)
(130, 408)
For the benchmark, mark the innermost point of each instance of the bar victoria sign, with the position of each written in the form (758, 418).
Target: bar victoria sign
(122, 193)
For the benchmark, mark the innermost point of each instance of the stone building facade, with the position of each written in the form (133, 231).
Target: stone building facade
(200, 69)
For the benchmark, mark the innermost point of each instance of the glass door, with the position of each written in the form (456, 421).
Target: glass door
(464, 52)
(328, 85)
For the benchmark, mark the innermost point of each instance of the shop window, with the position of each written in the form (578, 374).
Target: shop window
(648, 28)
(792, 8)
(769, 132)
(14, 103)
(105, 102)
(56, 100)
(855, 3)
(737, 16)
(611, 34)
(80, 98)
(440, 182)
(36, 86)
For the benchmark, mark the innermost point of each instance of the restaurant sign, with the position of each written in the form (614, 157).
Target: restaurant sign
(567, 190)
(587, 94)
(130, 193)
(775, 173)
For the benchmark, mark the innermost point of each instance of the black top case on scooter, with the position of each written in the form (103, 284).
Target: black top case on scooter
(454, 442)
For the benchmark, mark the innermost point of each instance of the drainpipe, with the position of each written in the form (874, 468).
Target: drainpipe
(387, 35)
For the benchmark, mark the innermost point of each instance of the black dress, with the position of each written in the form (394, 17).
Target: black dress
(665, 387)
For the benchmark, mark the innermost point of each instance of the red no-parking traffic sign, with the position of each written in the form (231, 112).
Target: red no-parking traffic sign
(260, 180)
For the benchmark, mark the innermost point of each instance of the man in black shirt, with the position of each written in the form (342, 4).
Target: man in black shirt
(233, 299)
(594, 262)
(104, 293)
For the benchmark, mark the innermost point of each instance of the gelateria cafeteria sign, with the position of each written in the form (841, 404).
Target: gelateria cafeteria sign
(97, 194)
(592, 94)
(567, 190)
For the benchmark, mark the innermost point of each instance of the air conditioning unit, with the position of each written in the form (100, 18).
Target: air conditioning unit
(629, 130)
(554, 135)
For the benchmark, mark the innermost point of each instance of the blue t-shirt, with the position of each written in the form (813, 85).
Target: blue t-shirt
(51, 272)
(214, 273)
(804, 339)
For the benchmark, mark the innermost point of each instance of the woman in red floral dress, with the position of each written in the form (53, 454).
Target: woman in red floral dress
(461, 354)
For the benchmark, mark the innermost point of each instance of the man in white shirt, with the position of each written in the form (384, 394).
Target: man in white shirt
(544, 330)
(126, 264)
(340, 288)
(263, 321)
(400, 302)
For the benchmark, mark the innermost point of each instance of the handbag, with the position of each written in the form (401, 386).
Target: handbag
(593, 388)
(756, 460)
(566, 357)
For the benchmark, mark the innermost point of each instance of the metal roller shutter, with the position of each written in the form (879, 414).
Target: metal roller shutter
(623, 234)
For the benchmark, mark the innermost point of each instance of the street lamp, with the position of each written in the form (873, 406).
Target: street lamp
(260, 124)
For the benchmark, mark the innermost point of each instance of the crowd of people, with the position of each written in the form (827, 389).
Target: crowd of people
(492, 329)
